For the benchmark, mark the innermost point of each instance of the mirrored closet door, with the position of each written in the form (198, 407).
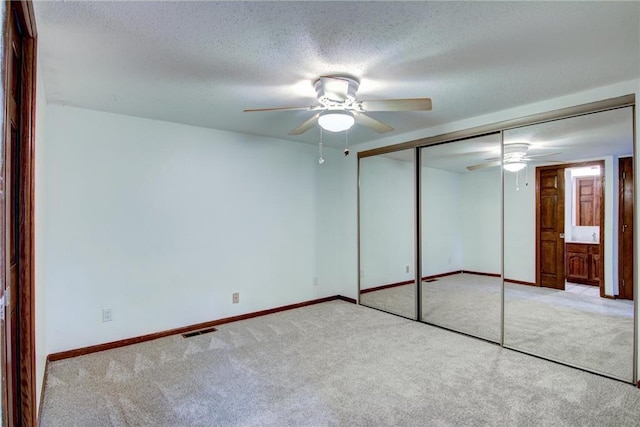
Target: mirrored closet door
(387, 224)
(568, 241)
(461, 208)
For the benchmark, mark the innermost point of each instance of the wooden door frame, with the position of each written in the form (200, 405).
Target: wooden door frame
(621, 220)
(565, 166)
(23, 411)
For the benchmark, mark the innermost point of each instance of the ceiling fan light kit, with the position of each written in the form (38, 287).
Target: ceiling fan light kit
(338, 110)
(514, 158)
(336, 121)
(514, 166)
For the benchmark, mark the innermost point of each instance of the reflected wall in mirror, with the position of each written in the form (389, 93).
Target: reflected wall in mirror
(568, 261)
(387, 232)
(461, 210)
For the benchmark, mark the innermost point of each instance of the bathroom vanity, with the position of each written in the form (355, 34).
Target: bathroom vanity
(583, 263)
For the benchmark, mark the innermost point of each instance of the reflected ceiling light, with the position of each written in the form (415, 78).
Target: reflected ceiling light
(336, 120)
(514, 166)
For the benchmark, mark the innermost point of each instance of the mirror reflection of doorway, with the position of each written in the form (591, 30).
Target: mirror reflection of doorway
(570, 227)
(585, 321)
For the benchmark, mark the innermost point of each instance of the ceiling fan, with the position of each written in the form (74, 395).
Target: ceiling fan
(515, 158)
(337, 108)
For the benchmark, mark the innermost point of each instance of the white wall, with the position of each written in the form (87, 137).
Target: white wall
(163, 222)
(334, 217)
(481, 221)
(387, 221)
(520, 226)
(460, 219)
(442, 212)
(39, 215)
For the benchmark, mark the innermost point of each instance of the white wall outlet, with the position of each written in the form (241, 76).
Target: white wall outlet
(406, 269)
(107, 315)
(236, 297)
(315, 281)
(361, 273)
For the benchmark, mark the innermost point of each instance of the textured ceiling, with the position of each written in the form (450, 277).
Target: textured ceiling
(202, 63)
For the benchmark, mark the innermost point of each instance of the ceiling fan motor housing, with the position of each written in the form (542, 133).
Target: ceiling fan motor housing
(515, 152)
(336, 92)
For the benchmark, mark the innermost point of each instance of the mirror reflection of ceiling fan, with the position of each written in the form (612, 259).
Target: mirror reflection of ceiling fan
(515, 158)
(338, 110)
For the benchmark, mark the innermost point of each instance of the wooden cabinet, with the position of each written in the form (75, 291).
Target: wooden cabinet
(583, 263)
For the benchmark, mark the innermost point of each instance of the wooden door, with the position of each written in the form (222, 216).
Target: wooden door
(625, 229)
(550, 227)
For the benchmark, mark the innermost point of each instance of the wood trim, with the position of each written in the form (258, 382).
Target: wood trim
(437, 276)
(135, 340)
(390, 285)
(562, 113)
(26, 315)
(520, 282)
(346, 299)
(8, 408)
(537, 235)
(625, 257)
(480, 273)
(29, 19)
(608, 296)
(22, 409)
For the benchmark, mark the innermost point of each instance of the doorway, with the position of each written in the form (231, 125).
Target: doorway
(561, 253)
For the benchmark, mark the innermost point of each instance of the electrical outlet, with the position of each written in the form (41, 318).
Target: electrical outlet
(361, 273)
(236, 297)
(107, 315)
(315, 281)
(406, 270)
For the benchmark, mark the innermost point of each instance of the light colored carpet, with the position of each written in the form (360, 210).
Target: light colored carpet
(591, 332)
(468, 303)
(333, 364)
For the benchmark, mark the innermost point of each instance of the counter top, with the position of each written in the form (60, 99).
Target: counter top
(583, 242)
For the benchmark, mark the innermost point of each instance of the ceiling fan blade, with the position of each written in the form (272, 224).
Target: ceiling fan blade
(306, 125)
(414, 104)
(254, 110)
(484, 165)
(335, 88)
(371, 123)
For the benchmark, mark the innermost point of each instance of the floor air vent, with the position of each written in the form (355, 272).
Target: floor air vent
(200, 332)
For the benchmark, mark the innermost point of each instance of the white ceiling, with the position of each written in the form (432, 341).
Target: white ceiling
(202, 63)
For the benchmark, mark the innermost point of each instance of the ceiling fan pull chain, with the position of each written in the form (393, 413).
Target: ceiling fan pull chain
(346, 142)
(320, 160)
(517, 184)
